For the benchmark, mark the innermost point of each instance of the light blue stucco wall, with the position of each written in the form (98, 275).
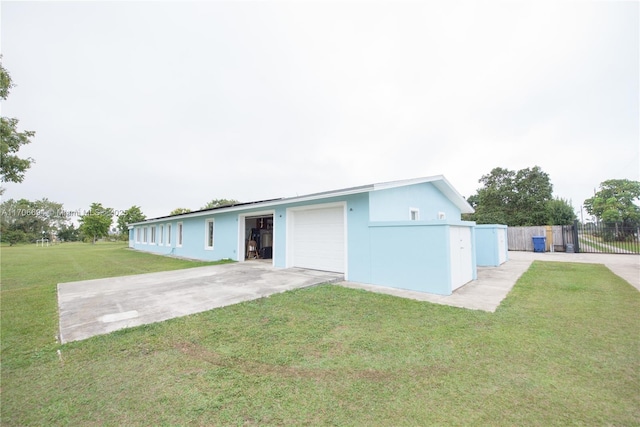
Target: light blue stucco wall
(383, 246)
(280, 237)
(393, 204)
(412, 255)
(357, 209)
(225, 236)
(226, 233)
(487, 245)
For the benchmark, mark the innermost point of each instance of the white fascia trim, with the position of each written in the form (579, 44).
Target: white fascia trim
(406, 182)
(452, 194)
(439, 181)
(266, 204)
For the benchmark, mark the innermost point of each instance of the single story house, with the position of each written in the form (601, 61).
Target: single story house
(404, 234)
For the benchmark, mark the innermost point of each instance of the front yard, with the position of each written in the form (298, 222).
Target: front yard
(563, 348)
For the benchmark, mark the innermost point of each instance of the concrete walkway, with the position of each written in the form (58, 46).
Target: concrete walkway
(94, 307)
(494, 283)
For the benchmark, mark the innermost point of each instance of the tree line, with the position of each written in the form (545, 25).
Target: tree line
(525, 198)
(25, 221)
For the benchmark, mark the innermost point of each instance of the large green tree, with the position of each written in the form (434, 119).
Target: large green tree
(12, 167)
(96, 222)
(131, 215)
(616, 205)
(216, 203)
(515, 198)
(25, 220)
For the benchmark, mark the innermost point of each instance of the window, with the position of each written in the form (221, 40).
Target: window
(153, 235)
(208, 235)
(179, 243)
(137, 234)
(414, 214)
(160, 234)
(168, 234)
(144, 235)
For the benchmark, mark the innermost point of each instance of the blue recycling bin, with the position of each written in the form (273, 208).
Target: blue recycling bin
(539, 243)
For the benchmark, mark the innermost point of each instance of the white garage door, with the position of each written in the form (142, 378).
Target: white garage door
(318, 239)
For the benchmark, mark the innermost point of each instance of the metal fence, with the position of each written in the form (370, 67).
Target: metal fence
(610, 238)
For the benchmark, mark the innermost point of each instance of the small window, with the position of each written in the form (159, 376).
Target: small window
(144, 235)
(160, 234)
(179, 243)
(168, 234)
(137, 234)
(414, 214)
(153, 235)
(208, 238)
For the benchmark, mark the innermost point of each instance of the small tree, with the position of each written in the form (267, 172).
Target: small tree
(14, 236)
(96, 222)
(68, 233)
(131, 215)
(216, 203)
(616, 205)
(178, 211)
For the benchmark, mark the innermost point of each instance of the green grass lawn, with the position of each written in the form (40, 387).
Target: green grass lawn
(562, 349)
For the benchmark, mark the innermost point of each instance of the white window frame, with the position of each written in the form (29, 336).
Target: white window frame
(145, 234)
(209, 225)
(168, 241)
(180, 235)
(137, 235)
(160, 234)
(152, 235)
(414, 214)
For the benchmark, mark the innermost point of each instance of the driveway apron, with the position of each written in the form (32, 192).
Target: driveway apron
(94, 307)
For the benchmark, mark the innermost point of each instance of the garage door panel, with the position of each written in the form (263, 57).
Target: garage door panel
(318, 239)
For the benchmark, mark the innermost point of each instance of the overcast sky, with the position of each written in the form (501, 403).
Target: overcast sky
(172, 104)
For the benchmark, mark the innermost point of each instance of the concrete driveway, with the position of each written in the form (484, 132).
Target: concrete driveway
(94, 307)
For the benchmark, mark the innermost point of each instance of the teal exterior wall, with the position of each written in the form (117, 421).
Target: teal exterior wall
(490, 252)
(358, 239)
(393, 204)
(280, 237)
(225, 234)
(411, 255)
(414, 255)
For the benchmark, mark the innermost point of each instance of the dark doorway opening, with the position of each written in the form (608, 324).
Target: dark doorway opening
(258, 237)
